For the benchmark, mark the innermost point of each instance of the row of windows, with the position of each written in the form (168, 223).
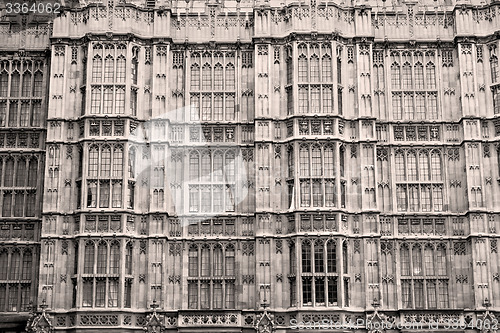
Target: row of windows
(426, 260)
(103, 192)
(104, 258)
(107, 100)
(318, 160)
(314, 63)
(418, 165)
(212, 166)
(410, 77)
(216, 78)
(19, 203)
(15, 297)
(419, 105)
(16, 265)
(18, 172)
(216, 107)
(418, 197)
(105, 161)
(215, 294)
(217, 261)
(26, 79)
(22, 114)
(316, 99)
(211, 198)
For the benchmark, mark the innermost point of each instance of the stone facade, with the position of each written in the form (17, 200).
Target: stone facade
(250, 166)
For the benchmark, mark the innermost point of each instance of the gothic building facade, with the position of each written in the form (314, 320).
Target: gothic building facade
(250, 166)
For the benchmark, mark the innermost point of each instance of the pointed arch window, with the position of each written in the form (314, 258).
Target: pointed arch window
(417, 260)
(331, 256)
(342, 160)
(494, 68)
(429, 260)
(195, 77)
(102, 258)
(306, 257)
(206, 82)
(109, 70)
(230, 77)
(4, 83)
(4, 257)
(441, 260)
(230, 260)
(304, 161)
(26, 89)
(205, 261)
(405, 260)
(15, 265)
(326, 69)
(430, 73)
(303, 69)
(345, 257)
(411, 165)
(396, 76)
(218, 76)
(9, 172)
(120, 69)
(193, 261)
(38, 84)
(21, 173)
(14, 84)
(97, 68)
(218, 265)
(88, 264)
(128, 259)
(419, 76)
(114, 258)
(436, 166)
(400, 167)
(319, 260)
(423, 166)
(314, 72)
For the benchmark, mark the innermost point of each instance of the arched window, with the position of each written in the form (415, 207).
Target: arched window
(326, 69)
(21, 172)
(4, 263)
(217, 260)
(14, 84)
(306, 257)
(4, 83)
(331, 257)
(205, 260)
(128, 259)
(218, 167)
(105, 161)
(494, 68)
(193, 260)
(319, 257)
(26, 90)
(15, 265)
(102, 258)
(218, 76)
(314, 68)
(417, 259)
(109, 70)
(27, 265)
(419, 76)
(430, 71)
(441, 260)
(230, 77)
(195, 77)
(429, 260)
(345, 257)
(96, 69)
(206, 82)
(407, 79)
(436, 167)
(114, 258)
(316, 161)
(9, 172)
(304, 161)
(411, 165)
(423, 166)
(230, 260)
(230, 167)
(303, 68)
(405, 260)
(118, 161)
(93, 161)
(38, 84)
(120, 69)
(342, 160)
(131, 162)
(292, 262)
(194, 165)
(396, 76)
(400, 166)
(328, 161)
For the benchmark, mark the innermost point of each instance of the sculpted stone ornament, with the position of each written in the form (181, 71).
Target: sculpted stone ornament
(375, 322)
(154, 322)
(265, 324)
(40, 323)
